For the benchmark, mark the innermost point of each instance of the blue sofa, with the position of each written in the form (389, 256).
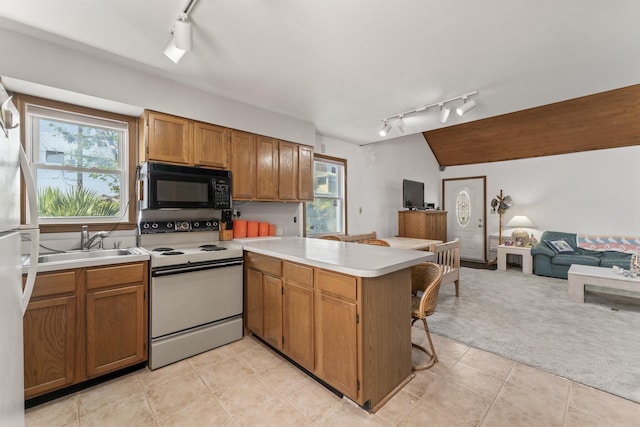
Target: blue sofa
(546, 262)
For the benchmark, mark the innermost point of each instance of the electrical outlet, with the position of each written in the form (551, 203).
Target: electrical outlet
(295, 219)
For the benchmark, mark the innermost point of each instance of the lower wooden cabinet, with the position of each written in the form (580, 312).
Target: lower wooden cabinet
(298, 327)
(351, 332)
(337, 338)
(50, 339)
(84, 323)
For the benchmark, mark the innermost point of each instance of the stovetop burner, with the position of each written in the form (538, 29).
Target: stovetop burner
(173, 253)
(211, 248)
(162, 249)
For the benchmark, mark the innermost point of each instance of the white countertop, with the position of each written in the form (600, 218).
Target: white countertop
(348, 258)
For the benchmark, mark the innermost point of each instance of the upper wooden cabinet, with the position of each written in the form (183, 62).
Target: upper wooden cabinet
(212, 146)
(263, 168)
(288, 174)
(266, 168)
(243, 165)
(170, 139)
(305, 173)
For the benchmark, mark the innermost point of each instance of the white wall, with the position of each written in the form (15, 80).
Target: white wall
(374, 179)
(589, 192)
(32, 60)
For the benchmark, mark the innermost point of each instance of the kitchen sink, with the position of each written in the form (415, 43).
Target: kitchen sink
(82, 255)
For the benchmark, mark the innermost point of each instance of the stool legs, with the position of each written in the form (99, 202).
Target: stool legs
(433, 358)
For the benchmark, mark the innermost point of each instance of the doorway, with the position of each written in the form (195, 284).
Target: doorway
(465, 199)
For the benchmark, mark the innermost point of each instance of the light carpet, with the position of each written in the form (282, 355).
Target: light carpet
(529, 319)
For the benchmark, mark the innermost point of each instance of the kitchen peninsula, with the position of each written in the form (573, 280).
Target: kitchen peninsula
(340, 310)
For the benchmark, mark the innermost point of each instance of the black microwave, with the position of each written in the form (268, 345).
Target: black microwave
(163, 186)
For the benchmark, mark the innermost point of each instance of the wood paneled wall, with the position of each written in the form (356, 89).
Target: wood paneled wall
(604, 120)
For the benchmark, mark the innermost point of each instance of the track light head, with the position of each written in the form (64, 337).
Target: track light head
(468, 105)
(385, 129)
(400, 124)
(444, 113)
(182, 33)
(173, 52)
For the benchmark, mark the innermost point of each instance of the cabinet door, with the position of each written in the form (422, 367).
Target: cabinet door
(253, 301)
(272, 310)
(288, 171)
(49, 344)
(299, 314)
(305, 173)
(266, 168)
(243, 165)
(336, 342)
(298, 324)
(115, 324)
(169, 139)
(211, 146)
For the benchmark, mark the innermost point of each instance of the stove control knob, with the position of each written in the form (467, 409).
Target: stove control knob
(145, 225)
(154, 225)
(196, 224)
(209, 224)
(169, 225)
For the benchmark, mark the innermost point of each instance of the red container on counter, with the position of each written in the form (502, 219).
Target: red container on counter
(263, 229)
(252, 229)
(272, 229)
(239, 228)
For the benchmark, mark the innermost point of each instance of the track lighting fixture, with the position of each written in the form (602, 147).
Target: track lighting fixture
(398, 119)
(386, 127)
(182, 32)
(468, 105)
(444, 113)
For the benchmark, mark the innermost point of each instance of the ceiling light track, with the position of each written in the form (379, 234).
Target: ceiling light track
(467, 105)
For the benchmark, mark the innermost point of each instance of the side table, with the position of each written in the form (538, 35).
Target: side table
(525, 252)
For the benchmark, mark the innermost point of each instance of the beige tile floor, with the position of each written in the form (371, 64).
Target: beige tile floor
(246, 384)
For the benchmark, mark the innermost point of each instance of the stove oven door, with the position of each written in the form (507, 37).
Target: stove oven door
(194, 309)
(185, 299)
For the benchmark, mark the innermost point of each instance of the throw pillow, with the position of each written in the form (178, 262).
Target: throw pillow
(560, 246)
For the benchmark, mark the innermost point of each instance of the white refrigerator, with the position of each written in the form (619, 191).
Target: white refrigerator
(13, 299)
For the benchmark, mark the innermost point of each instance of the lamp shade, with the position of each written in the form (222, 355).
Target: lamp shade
(520, 221)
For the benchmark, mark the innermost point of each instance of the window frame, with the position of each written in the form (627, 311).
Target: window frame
(343, 163)
(128, 220)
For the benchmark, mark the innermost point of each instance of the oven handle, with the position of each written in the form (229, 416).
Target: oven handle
(190, 268)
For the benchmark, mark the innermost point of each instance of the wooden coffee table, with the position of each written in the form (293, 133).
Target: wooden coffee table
(580, 275)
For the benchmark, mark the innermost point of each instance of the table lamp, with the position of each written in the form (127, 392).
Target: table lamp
(520, 221)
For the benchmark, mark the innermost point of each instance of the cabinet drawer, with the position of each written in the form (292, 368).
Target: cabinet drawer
(264, 263)
(120, 274)
(299, 274)
(53, 284)
(338, 284)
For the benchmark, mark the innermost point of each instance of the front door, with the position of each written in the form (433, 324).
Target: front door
(465, 201)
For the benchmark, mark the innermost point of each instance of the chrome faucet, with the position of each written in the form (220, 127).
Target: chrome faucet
(86, 241)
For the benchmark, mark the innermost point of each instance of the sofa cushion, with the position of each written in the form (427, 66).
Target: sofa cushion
(611, 258)
(560, 246)
(568, 259)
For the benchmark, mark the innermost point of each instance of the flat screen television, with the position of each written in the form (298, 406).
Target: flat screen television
(412, 194)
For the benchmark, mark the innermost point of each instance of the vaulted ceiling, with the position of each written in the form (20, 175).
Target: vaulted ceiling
(606, 120)
(346, 65)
